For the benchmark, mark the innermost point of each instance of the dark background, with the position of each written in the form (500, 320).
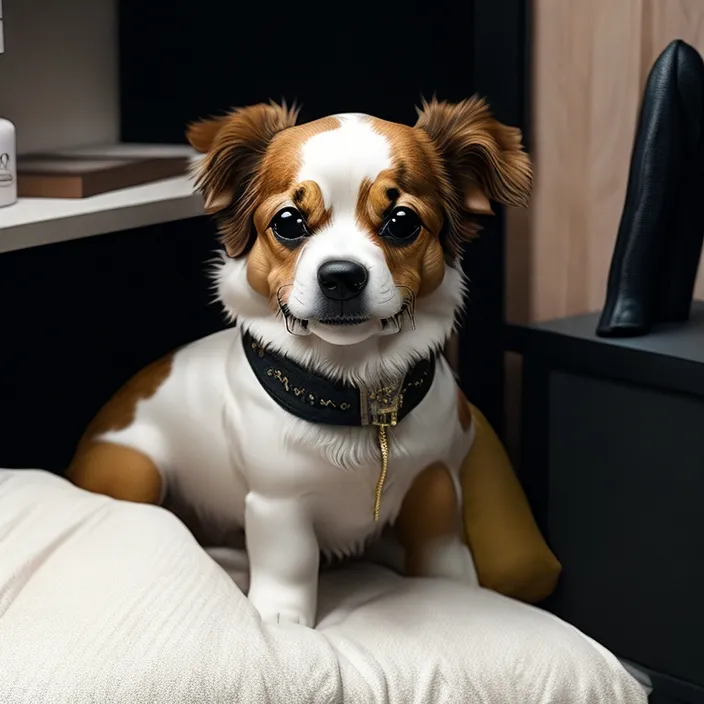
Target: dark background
(78, 318)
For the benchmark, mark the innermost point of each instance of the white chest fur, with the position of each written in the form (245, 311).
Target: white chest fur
(217, 436)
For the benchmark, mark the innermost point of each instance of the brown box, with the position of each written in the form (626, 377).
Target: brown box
(58, 176)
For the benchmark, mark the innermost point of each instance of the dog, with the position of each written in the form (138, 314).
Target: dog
(326, 412)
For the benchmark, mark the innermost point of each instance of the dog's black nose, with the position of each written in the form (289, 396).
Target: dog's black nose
(341, 279)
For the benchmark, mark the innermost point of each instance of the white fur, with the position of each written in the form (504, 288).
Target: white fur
(224, 446)
(339, 160)
(373, 359)
(237, 459)
(360, 154)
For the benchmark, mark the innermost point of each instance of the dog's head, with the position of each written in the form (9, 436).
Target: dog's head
(343, 227)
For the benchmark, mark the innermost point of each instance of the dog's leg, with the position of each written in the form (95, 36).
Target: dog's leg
(430, 529)
(117, 471)
(284, 559)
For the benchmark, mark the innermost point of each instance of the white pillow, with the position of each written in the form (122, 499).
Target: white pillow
(104, 601)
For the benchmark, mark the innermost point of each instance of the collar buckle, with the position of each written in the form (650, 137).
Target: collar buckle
(381, 407)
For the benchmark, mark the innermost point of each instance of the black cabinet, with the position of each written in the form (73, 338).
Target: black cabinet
(79, 318)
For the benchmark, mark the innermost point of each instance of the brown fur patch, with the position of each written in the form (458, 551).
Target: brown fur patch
(418, 267)
(118, 471)
(259, 265)
(271, 265)
(309, 200)
(282, 160)
(119, 411)
(430, 511)
(270, 269)
(464, 413)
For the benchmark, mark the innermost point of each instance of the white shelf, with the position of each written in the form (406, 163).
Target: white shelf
(32, 222)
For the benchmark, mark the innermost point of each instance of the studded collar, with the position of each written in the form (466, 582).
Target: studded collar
(317, 399)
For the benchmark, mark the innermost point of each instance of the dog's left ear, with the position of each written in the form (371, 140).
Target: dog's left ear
(483, 159)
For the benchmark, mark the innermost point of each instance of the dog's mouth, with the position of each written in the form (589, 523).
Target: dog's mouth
(344, 320)
(350, 320)
(392, 324)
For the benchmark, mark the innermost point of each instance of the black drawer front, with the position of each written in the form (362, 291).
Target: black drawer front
(626, 518)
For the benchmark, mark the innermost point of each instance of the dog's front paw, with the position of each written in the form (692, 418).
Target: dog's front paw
(287, 606)
(274, 615)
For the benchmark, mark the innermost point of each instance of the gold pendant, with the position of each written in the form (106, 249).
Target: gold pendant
(384, 447)
(380, 408)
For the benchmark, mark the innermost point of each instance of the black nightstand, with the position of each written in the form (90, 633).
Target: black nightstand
(613, 463)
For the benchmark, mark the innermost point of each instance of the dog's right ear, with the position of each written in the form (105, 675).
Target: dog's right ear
(234, 146)
(483, 160)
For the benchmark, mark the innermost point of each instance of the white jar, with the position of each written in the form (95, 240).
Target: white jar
(8, 164)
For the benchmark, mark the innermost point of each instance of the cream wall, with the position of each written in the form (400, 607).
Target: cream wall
(59, 72)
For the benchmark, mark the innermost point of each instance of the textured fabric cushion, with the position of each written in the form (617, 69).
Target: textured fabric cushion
(103, 601)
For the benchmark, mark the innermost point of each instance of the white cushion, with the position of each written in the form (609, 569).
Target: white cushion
(105, 601)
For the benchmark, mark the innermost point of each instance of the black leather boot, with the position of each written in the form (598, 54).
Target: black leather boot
(660, 235)
(683, 244)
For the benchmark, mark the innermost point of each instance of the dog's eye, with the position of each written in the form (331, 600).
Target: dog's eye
(402, 225)
(288, 225)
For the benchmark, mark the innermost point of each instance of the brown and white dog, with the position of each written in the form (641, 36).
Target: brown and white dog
(342, 239)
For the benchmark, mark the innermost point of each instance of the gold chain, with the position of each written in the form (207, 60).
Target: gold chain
(384, 447)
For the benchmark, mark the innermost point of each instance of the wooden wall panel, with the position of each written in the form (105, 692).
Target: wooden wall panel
(673, 19)
(614, 100)
(590, 61)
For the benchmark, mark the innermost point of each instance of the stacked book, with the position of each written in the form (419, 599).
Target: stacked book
(88, 171)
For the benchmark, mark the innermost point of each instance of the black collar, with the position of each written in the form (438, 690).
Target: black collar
(320, 400)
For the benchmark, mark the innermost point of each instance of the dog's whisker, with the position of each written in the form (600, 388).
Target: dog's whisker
(411, 317)
(290, 320)
(408, 308)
